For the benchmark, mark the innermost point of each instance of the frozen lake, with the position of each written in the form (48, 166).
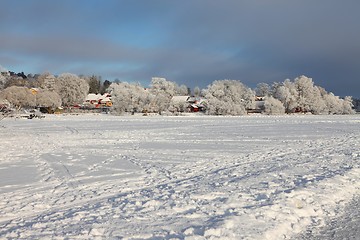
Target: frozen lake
(186, 177)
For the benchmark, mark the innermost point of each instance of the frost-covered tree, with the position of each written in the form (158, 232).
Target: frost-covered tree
(302, 95)
(317, 103)
(46, 81)
(262, 90)
(163, 90)
(348, 105)
(164, 86)
(336, 105)
(15, 80)
(179, 104)
(309, 97)
(228, 97)
(3, 81)
(46, 98)
(19, 96)
(182, 90)
(287, 94)
(333, 104)
(197, 92)
(273, 106)
(128, 97)
(71, 88)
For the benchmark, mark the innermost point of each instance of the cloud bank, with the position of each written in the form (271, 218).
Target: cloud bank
(191, 42)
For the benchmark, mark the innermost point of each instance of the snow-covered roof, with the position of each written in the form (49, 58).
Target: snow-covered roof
(180, 99)
(93, 97)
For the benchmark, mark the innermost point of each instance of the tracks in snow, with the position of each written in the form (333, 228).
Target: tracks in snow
(168, 199)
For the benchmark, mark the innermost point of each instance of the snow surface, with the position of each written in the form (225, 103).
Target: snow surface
(190, 177)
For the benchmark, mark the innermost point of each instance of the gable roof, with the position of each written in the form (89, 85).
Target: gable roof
(178, 99)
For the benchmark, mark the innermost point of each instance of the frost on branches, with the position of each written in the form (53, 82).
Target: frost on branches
(72, 89)
(19, 96)
(301, 95)
(273, 106)
(228, 97)
(222, 97)
(128, 97)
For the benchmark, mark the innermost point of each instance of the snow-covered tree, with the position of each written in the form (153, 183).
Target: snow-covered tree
(182, 90)
(317, 103)
(163, 91)
(46, 98)
(197, 91)
(287, 94)
(348, 105)
(3, 81)
(262, 90)
(164, 86)
(128, 97)
(309, 97)
(179, 104)
(228, 97)
(15, 80)
(302, 95)
(72, 89)
(273, 106)
(46, 81)
(333, 104)
(336, 105)
(19, 96)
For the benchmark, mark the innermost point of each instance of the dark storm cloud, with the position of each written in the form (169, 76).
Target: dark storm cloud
(191, 42)
(283, 39)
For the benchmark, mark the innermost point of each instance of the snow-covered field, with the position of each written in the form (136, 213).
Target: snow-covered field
(191, 177)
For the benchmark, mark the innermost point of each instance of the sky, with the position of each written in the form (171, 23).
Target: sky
(191, 42)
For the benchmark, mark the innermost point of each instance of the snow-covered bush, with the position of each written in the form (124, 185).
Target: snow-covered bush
(46, 98)
(19, 96)
(273, 106)
(228, 97)
(348, 105)
(333, 104)
(336, 105)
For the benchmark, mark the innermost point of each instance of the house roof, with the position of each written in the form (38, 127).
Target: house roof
(93, 97)
(179, 99)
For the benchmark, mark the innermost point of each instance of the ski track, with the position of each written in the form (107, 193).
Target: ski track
(160, 178)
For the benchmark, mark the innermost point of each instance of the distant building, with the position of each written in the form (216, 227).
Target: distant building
(97, 100)
(259, 105)
(191, 104)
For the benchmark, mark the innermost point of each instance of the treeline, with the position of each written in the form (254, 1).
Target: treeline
(44, 90)
(222, 97)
